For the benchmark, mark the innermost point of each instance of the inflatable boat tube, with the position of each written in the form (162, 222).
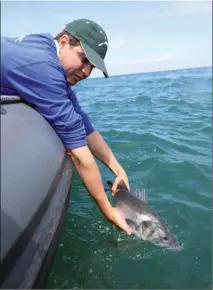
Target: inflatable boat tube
(36, 178)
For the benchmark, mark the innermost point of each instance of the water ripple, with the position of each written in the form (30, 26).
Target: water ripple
(159, 126)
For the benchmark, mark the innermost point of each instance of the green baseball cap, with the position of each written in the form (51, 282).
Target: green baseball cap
(93, 40)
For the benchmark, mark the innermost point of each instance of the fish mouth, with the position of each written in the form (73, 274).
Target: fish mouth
(171, 243)
(175, 247)
(172, 246)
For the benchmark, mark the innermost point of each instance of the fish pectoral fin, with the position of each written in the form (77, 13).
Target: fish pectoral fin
(133, 225)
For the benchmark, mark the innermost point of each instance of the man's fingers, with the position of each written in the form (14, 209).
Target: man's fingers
(128, 185)
(128, 231)
(126, 228)
(119, 220)
(114, 187)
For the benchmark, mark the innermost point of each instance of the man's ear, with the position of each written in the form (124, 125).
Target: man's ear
(63, 40)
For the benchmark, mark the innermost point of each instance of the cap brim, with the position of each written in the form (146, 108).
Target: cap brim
(94, 58)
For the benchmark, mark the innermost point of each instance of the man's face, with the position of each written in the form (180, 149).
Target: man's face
(74, 61)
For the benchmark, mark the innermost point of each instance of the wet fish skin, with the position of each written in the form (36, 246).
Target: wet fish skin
(143, 220)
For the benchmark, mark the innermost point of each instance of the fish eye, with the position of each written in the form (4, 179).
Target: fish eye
(165, 238)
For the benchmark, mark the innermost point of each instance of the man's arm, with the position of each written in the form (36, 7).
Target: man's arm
(43, 84)
(95, 141)
(101, 150)
(90, 175)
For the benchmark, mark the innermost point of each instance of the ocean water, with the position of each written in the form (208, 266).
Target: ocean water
(159, 126)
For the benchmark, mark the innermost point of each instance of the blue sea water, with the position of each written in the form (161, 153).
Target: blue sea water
(159, 126)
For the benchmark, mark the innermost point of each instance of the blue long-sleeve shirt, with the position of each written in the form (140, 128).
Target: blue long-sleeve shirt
(30, 68)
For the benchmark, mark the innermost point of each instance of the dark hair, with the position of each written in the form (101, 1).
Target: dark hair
(72, 40)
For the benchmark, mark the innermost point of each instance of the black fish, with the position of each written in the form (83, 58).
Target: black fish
(144, 221)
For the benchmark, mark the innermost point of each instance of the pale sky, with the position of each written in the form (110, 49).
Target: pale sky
(143, 35)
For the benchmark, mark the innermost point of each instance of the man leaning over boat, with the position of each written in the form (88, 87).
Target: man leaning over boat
(42, 70)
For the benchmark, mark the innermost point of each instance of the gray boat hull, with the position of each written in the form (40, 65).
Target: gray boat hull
(36, 178)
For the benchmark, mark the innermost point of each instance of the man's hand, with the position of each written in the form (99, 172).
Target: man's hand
(90, 175)
(119, 220)
(120, 176)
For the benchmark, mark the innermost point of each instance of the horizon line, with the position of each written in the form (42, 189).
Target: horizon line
(154, 71)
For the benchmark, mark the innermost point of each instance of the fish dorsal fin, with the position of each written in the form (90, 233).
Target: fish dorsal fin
(140, 194)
